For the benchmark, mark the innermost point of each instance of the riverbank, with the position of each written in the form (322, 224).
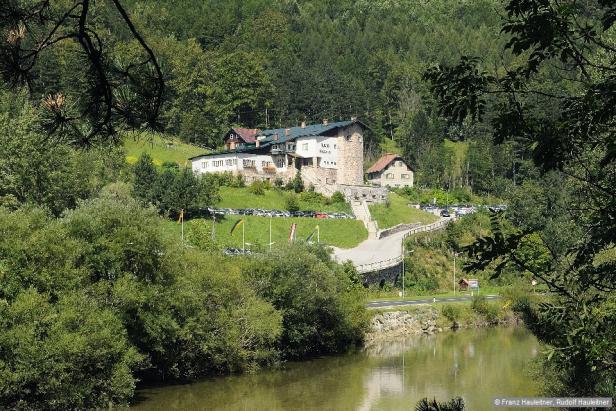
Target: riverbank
(428, 319)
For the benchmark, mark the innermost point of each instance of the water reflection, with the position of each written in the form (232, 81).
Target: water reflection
(475, 364)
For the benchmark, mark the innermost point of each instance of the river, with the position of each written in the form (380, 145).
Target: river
(475, 364)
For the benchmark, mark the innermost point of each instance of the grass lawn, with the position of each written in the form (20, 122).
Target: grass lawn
(273, 199)
(399, 212)
(339, 233)
(161, 148)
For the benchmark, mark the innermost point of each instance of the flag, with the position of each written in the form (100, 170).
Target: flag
(236, 225)
(292, 232)
(181, 218)
(316, 229)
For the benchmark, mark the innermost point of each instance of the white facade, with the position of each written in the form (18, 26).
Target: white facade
(234, 163)
(324, 148)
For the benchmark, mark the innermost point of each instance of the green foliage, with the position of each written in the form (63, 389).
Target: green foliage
(37, 169)
(173, 190)
(257, 188)
(323, 311)
(71, 354)
(292, 203)
(296, 183)
(338, 197)
(456, 404)
(451, 312)
(145, 177)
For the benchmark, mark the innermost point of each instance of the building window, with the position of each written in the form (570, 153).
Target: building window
(347, 137)
(389, 176)
(280, 163)
(305, 146)
(203, 164)
(405, 176)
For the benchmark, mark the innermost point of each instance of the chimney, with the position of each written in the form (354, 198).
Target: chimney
(257, 143)
(275, 137)
(353, 118)
(286, 131)
(303, 124)
(325, 122)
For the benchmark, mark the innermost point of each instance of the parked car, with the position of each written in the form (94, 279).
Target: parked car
(445, 213)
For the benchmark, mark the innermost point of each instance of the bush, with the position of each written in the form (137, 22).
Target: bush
(451, 312)
(338, 197)
(321, 302)
(292, 204)
(69, 355)
(296, 183)
(489, 311)
(312, 197)
(278, 182)
(257, 188)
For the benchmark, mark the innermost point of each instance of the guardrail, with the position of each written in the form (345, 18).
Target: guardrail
(379, 265)
(429, 227)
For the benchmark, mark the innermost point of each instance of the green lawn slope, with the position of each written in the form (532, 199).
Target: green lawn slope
(336, 232)
(397, 211)
(160, 147)
(272, 199)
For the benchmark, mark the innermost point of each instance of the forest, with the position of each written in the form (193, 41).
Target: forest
(512, 99)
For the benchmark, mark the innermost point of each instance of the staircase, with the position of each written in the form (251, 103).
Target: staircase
(361, 211)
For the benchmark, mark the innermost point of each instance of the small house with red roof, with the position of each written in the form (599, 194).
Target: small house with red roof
(391, 171)
(239, 137)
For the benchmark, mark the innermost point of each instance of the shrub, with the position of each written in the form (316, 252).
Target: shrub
(338, 197)
(481, 306)
(257, 188)
(292, 204)
(451, 312)
(296, 184)
(312, 197)
(69, 355)
(278, 182)
(321, 302)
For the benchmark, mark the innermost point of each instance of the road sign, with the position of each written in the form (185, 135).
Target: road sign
(473, 283)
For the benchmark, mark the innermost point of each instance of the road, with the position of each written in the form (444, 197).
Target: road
(397, 303)
(379, 250)
(370, 251)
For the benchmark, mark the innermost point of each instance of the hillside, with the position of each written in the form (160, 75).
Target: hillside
(162, 148)
(396, 211)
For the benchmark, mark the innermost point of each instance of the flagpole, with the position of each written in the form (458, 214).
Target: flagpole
(318, 234)
(270, 241)
(243, 238)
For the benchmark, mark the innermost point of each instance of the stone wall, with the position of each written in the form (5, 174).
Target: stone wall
(385, 276)
(361, 192)
(391, 324)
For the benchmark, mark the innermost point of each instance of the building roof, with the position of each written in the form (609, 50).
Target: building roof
(268, 137)
(291, 133)
(246, 134)
(384, 161)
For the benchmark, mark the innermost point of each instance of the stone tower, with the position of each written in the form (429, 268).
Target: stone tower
(350, 161)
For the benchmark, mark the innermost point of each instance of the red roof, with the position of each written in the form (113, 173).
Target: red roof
(246, 134)
(383, 162)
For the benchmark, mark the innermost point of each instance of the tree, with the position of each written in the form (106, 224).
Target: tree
(566, 121)
(145, 178)
(111, 89)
